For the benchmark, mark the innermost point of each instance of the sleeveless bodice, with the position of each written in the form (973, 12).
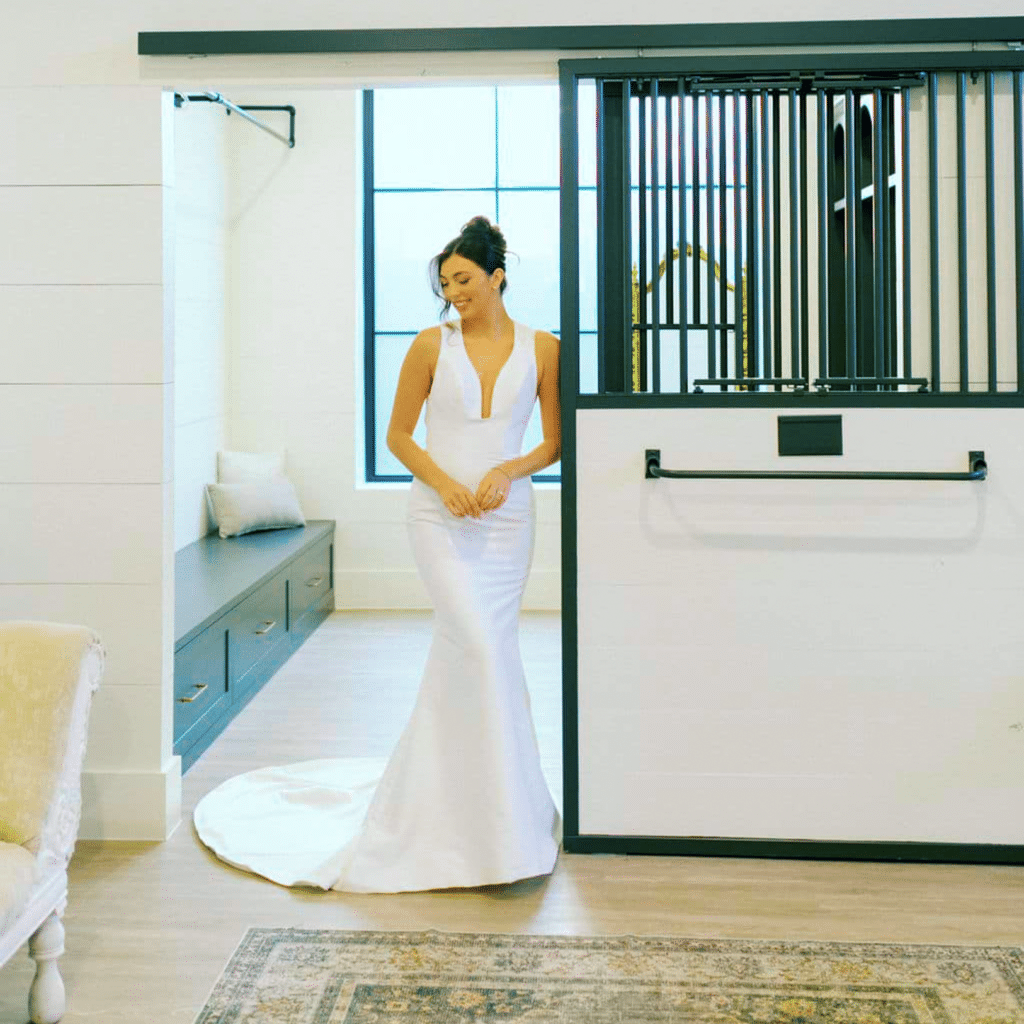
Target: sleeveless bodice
(459, 439)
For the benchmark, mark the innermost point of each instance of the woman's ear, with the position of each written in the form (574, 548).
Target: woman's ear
(497, 277)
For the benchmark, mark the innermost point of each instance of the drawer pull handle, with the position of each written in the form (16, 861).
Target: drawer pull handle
(200, 687)
(267, 627)
(316, 582)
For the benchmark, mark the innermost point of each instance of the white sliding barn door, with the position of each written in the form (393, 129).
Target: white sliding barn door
(778, 666)
(800, 659)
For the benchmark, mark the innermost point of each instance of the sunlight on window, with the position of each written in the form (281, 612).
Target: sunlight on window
(434, 138)
(440, 157)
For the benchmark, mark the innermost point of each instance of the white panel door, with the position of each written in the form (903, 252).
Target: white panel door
(801, 660)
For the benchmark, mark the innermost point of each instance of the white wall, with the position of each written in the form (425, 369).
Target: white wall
(88, 525)
(294, 244)
(201, 173)
(85, 418)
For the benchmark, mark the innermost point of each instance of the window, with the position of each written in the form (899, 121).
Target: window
(434, 158)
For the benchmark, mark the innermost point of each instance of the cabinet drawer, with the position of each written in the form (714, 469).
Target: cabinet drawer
(200, 677)
(309, 578)
(257, 626)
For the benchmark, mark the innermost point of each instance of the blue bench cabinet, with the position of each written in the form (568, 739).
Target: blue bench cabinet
(242, 606)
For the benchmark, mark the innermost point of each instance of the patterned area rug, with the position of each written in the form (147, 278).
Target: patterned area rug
(291, 976)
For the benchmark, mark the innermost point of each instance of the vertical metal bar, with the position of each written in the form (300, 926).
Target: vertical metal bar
(1018, 208)
(794, 240)
(776, 147)
(753, 239)
(805, 361)
(670, 305)
(933, 219)
(852, 201)
(655, 246)
(766, 263)
(614, 315)
(990, 226)
(961, 208)
(709, 160)
(641, 256)
(695, 204)
(906, 248)
(889, 231)
(369, 291)
(824, 218)
(737, 223)
(723, 241)
(569, 323)
(878, 188)
(614, 224)
(627, 234)
(684, 312)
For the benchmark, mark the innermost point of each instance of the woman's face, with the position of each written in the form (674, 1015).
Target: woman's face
(467, 286)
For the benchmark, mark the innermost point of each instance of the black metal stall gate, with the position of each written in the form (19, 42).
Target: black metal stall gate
(816, 258)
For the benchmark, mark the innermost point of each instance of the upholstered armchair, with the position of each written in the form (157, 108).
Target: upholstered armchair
(48, 673)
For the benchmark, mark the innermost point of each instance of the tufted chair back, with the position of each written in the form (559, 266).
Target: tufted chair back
(47, 674)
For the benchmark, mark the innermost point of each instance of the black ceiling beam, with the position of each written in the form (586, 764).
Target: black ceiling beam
(583, 37)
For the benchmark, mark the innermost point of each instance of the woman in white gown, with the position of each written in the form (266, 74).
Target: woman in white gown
(462, 801)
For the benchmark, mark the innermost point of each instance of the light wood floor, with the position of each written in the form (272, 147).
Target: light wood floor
(151, 925)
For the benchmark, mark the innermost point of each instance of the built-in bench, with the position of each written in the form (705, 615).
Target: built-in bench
(242, 606)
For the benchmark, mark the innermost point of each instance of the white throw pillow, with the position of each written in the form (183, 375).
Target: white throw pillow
(248, 467)
(263, 505)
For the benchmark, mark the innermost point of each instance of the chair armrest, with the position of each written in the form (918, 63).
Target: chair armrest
(56, 841)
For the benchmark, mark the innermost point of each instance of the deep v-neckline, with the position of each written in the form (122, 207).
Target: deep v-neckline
(497, 376)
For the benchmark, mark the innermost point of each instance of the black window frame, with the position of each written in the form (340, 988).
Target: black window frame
(370, 333)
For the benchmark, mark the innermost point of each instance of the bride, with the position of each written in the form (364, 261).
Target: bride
(462, 801)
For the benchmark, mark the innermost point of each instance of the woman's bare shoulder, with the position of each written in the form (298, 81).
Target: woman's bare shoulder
(546, 347)
(427, 342)
(429, 337)
(425, 347)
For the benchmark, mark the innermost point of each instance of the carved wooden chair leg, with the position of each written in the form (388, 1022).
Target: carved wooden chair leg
(46, 996)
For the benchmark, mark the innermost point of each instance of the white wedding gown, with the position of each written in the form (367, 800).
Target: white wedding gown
(462, 800)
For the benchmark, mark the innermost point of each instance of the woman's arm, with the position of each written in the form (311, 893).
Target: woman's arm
(550, 449)
(414, 382)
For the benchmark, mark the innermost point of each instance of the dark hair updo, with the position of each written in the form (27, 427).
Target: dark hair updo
(479, 241)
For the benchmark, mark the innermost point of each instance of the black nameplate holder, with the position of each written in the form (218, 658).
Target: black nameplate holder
(810, 435)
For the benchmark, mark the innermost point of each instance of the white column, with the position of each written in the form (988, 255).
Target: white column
(85, 413)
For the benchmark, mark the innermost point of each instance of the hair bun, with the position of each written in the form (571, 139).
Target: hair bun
(480, 226)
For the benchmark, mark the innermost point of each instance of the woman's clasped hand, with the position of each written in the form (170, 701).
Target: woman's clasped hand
(491, 494)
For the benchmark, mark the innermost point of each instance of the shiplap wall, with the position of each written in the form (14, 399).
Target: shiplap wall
(86, 419)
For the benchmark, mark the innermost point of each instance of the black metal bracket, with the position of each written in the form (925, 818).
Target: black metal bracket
(824, 383)
(978, 470)
(800, 383)
(181, 99)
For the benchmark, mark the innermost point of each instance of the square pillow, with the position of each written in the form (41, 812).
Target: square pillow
(262, 505)
(248, 467)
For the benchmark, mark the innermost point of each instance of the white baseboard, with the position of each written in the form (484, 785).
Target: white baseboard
(131, 805)
(403, 589)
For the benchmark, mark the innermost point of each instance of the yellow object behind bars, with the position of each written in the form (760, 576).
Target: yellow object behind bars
(650, 287)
